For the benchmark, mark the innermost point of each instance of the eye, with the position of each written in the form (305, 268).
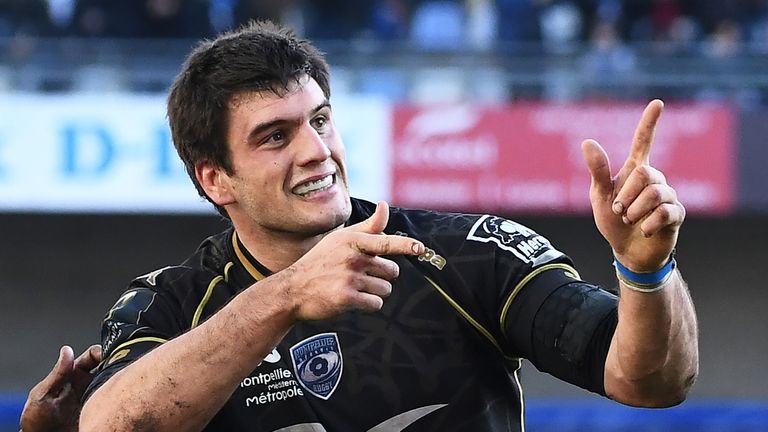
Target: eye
(275, 137)
(320, 122)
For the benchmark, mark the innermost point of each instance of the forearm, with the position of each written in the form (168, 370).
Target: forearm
(183, 383)
(653, 357)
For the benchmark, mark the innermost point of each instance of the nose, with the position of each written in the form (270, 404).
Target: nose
(310, 147)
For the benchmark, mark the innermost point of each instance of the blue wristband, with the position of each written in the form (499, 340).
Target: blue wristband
(653, 278)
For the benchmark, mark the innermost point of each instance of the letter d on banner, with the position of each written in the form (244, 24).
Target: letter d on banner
(88, 150)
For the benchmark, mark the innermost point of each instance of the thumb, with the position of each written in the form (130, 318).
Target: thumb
(599, 167)
(376, 223)
(61, 369)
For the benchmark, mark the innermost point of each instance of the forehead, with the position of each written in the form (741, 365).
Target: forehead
(298, 98)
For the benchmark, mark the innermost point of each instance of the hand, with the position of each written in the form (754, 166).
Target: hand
(345, 270)
(54, 403)
(636, 211)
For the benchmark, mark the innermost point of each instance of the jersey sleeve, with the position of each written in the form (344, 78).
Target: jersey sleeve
(520, 292)
(563, 326)
(144, 317)
(546, 313)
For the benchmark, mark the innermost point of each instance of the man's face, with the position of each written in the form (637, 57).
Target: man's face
(288, 160)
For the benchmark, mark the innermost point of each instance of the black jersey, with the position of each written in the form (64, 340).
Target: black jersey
(443, 354)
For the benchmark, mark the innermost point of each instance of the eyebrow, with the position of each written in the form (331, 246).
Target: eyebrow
(263, 127)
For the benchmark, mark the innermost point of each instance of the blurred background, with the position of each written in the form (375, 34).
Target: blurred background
(473, 105)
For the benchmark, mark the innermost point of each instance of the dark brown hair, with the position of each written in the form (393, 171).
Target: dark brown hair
(260, 56)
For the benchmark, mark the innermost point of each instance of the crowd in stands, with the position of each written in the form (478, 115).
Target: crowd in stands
(429, 23)
(611, 48)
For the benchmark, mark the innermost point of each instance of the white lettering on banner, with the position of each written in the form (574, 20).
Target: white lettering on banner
(445, 137)
(521, 194)
(452, 152)
(695, 194)
(617, 123)
(528, 156)
(438, 192)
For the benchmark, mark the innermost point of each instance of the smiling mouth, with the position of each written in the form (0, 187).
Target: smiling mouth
(306, 189)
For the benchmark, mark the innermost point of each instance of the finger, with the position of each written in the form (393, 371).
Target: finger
(640, 152)
(89, 359)
(367, 302)
(376, 286)
(376, 223)
(637, 180)
(651, 197)
(599, 167)
(388, 245)
(664, 216)
(383, 268)
(61, 369)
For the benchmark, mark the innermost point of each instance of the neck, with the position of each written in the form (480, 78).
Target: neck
(275, 250)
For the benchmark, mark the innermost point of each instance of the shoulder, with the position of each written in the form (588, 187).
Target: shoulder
(170, 287)
(156, 289)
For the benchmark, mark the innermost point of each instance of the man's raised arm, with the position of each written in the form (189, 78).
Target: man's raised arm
(653, 356)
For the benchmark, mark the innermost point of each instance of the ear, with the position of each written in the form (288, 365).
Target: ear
(215, 183)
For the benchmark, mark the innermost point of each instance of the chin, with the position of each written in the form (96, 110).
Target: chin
(330, 219)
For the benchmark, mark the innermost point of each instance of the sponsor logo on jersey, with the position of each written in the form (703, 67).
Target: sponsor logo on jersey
(523, 242)
(272, 357)
(318, 364)
(429, 255)
(269, 387)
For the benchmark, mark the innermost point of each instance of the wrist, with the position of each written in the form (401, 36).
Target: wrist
(646, 281)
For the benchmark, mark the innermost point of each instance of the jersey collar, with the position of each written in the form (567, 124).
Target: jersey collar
(253, 267)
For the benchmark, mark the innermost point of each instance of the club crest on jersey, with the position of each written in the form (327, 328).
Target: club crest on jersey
(523, 242)
(318, 364)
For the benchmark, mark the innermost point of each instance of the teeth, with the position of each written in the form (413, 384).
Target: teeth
(313, 186)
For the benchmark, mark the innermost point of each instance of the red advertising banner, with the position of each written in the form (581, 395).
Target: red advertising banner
(527, 156)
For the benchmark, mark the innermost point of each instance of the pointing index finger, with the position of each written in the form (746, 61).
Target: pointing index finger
(386, 244)
(640, 152)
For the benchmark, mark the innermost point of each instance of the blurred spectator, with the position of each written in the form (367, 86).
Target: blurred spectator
(98, 18)
(24, 18)
(518, 21)
(390, 19)
(221, 14)
(482, 23)
(142, 19)
(287, 12)
(337, 19)
(671, 24)
(60, 15)
(561, 25)
(607, 63)
(725, 42)
(723, 48)
(438, 25)
(171, 19)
